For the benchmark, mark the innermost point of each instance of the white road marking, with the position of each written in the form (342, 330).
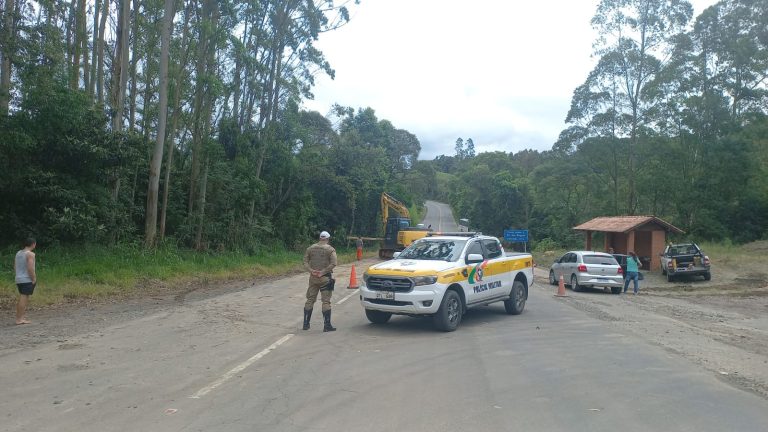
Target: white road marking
(239, 368)
(440, 218)
(348, 296)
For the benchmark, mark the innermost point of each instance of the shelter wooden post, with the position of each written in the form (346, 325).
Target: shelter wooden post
(588, 235)
(631, 241)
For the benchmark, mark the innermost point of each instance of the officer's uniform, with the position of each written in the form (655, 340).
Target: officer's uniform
(321, 257)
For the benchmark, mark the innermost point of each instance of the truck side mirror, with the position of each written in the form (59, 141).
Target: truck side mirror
(474, 258)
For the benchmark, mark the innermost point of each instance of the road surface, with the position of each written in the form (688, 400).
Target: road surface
(239, 362)
(440, 217)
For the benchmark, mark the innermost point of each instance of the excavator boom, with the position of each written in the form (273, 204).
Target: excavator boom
(387, 202)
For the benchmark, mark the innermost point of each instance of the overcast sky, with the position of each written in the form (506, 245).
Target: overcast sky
(501, 72)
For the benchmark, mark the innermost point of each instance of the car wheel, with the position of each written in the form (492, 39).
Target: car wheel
(377, 317)
(552, 280)
(575, 284)
(516, 302)
(707, 276)
(448, 316)
(615, 290)
(670, 278)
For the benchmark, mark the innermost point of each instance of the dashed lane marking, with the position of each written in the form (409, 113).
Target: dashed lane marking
(239, 368)
(348, 296)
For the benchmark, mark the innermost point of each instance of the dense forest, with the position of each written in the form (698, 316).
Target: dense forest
(150, 121)
(670, 122)
(178, 121)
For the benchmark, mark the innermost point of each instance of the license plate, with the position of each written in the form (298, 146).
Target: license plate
(602, 280)
(385, 295)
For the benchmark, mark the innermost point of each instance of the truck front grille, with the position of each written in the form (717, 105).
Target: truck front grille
(389, 302)
(400, 284)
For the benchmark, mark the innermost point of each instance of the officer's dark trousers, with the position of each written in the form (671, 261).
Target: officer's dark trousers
(315, 283)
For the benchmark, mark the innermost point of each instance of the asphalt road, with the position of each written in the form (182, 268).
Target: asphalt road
(440, 216)
(239, 362)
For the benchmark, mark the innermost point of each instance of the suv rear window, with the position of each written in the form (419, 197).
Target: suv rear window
(600, 259)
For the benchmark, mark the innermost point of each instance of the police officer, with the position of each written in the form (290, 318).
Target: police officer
(320, 260)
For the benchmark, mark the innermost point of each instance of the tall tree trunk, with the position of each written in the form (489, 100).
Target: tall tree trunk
(119, 78)
(70, 23)
(157, 155)
(119, 69)
(8, 36)
(86, 62)
(91, 87)
(100, 54)
(175, 118)
(134, 63)
(200, 91)
(201, 208)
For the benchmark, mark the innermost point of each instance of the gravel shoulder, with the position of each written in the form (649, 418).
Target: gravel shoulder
(719, 325)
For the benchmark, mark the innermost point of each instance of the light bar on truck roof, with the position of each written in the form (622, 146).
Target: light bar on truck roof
(455, 234)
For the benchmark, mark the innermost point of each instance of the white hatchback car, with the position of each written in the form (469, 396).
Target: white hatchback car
(581, 269)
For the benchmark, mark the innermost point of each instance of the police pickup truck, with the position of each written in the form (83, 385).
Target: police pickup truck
(442, 275)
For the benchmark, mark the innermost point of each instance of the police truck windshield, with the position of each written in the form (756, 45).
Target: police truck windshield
(435, 250)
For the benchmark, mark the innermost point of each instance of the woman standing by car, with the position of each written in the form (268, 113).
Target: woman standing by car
(632, 271)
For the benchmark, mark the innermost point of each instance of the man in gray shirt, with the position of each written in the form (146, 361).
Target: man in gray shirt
(26, 278)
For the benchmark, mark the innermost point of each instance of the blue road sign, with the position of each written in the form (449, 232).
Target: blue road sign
(516, 236)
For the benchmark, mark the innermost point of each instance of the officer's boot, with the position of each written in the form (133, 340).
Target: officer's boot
(327, 317)
(307, 316)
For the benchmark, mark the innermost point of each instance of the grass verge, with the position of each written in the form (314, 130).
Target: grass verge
(99, 272)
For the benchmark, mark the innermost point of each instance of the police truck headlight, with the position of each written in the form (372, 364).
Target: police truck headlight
(424, 280)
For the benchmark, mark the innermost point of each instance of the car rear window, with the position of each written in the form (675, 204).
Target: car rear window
(600, 259)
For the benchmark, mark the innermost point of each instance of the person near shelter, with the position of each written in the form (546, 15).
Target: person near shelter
(26, 278)
(633, 272)
(320, 260)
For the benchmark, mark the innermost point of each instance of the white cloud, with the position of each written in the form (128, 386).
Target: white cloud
(500, 72)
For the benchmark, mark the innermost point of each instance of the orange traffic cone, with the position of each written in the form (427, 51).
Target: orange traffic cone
(353, 279)
(561, 288)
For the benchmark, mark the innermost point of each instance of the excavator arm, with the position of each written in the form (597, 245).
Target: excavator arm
(387, 202)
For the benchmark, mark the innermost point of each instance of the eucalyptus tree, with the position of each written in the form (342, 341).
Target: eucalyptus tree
(634, 37)
(157, 153)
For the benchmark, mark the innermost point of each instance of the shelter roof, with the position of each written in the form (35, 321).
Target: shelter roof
(624, 224)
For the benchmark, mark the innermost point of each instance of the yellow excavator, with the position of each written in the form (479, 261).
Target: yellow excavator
(398, 232)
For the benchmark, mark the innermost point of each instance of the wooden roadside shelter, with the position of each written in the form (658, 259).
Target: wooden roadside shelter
(646, 235)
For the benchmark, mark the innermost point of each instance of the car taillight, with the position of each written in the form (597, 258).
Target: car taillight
(621, 270)
(582, 268)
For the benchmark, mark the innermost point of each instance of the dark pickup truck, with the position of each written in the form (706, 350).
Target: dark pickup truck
(684, 259)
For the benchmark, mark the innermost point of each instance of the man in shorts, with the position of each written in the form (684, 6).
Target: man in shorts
(26, 279)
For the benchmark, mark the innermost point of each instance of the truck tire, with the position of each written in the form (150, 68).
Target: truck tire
(448, 316)
(516, 302)
(377, 317)
(670, 278)
(575, 284)
(552, 280)
(707, 276)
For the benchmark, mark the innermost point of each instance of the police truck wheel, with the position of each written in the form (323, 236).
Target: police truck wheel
(707, 276)
(670, 278)
(575, 284)
(552, 280)
(377, 317)
(448, 316)
(516, 302)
